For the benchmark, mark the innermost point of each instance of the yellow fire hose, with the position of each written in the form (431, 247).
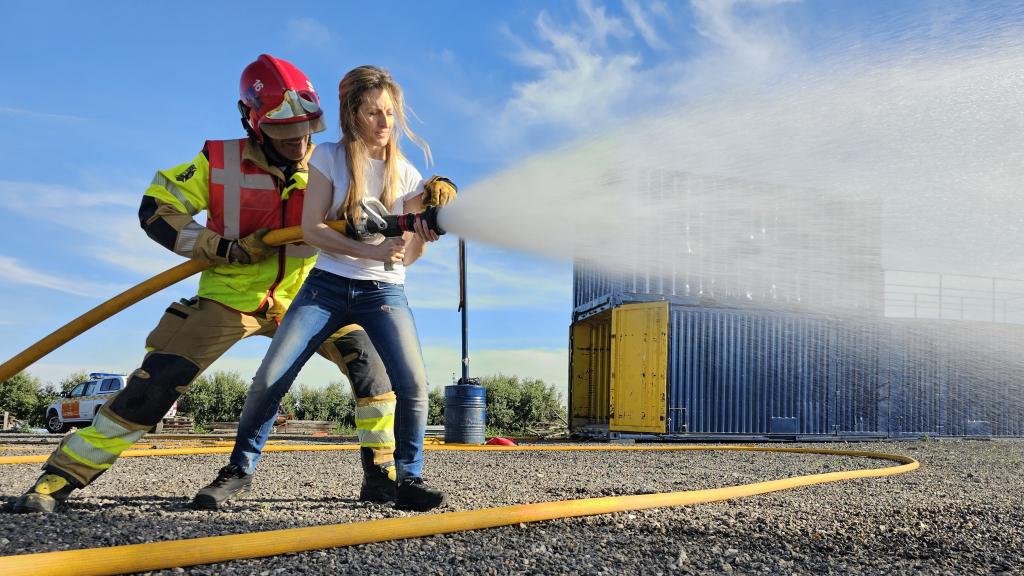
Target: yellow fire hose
(189, 552)
(67, 332)
(208, 550)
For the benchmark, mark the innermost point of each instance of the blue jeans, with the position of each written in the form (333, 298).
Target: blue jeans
(325, 303)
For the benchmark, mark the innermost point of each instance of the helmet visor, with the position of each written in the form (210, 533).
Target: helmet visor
(294, 105)
(298, 115)
(294, 129)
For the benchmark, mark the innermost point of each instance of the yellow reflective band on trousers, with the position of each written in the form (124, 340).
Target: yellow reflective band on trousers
(83, 461)
(375, 424)
(97, 446)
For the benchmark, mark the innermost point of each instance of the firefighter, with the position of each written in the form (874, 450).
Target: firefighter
(246, 187)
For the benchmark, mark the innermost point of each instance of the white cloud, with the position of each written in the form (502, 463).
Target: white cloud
(584, 73)
(581, 80)
(754, 41)
(123, 243)
(309, 31)
(661, 10)
(602, 25)
(104, 224)
(643, 24)
(34, 197)
(41, 115)
(17, 273)
(591, 73)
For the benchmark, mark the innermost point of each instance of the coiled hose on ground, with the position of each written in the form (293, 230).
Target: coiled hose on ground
(207, 550)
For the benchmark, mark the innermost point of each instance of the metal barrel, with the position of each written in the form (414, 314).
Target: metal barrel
(465, 414)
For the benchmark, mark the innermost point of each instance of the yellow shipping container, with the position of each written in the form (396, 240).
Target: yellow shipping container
(619, 365)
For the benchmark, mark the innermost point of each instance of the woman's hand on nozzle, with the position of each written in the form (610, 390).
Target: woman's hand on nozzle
(391, 250)
(423, 230)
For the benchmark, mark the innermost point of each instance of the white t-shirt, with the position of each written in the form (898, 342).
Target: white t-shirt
(329, 159)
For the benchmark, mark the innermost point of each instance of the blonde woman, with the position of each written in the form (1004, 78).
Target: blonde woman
(358, 282)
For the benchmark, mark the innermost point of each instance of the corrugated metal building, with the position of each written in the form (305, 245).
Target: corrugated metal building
(673, 352)
(663, 368)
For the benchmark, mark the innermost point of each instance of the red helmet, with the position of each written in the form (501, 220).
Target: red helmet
(278, 100)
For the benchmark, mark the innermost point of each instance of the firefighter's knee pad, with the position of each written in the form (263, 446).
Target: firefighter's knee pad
(153, 388)
(363, 366)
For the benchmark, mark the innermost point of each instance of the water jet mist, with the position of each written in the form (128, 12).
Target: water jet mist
(795, 196)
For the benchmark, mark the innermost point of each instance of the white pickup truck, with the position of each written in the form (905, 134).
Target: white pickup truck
(79, 406)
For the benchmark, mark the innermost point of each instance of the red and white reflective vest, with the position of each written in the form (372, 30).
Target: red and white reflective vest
(244, 197)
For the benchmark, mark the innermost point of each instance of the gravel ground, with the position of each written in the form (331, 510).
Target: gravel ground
(961, 513)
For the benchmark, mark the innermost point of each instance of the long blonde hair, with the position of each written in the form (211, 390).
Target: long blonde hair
(351, 91)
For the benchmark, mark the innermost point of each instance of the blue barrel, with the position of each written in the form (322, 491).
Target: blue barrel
(465, 414)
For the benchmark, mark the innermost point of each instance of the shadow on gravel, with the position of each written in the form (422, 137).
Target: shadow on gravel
(100, 504)
(305, 502)
(149, 504)
(101, 522)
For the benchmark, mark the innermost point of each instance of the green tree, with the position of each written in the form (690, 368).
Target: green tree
(44, 396)
(289, 404)
(514, 405)
(435, 407)
(333, 403)
(19, 395)
(67, 383)
(216, 397)
(341, 406)
(307, 402)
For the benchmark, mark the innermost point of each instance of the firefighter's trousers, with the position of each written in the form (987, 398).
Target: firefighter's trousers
(191, 335)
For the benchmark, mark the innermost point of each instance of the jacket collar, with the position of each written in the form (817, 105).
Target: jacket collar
(254, 153)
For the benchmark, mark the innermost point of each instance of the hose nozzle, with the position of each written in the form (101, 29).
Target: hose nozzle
(394, 225)
(376, 220)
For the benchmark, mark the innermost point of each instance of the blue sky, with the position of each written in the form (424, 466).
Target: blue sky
(100, 95)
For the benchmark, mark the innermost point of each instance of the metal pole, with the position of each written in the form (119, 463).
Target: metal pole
(465, 312)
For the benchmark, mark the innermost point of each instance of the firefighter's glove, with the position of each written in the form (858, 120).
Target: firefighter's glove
(439, 191)
(250, 249)
(219, 250)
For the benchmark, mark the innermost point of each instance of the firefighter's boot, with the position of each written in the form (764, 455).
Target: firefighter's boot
(415, 494)
(378, 479)
(46, 496)
(230, 481)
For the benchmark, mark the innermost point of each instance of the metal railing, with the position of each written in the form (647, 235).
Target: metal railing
(917, 294)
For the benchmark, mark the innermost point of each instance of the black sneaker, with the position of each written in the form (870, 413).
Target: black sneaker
(414, 494)
(379, 484)
(46, 496)
(230, 481)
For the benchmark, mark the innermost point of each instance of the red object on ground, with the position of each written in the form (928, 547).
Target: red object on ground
(499, 441)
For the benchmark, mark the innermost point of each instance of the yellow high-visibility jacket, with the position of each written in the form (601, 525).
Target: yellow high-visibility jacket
(240, 192)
